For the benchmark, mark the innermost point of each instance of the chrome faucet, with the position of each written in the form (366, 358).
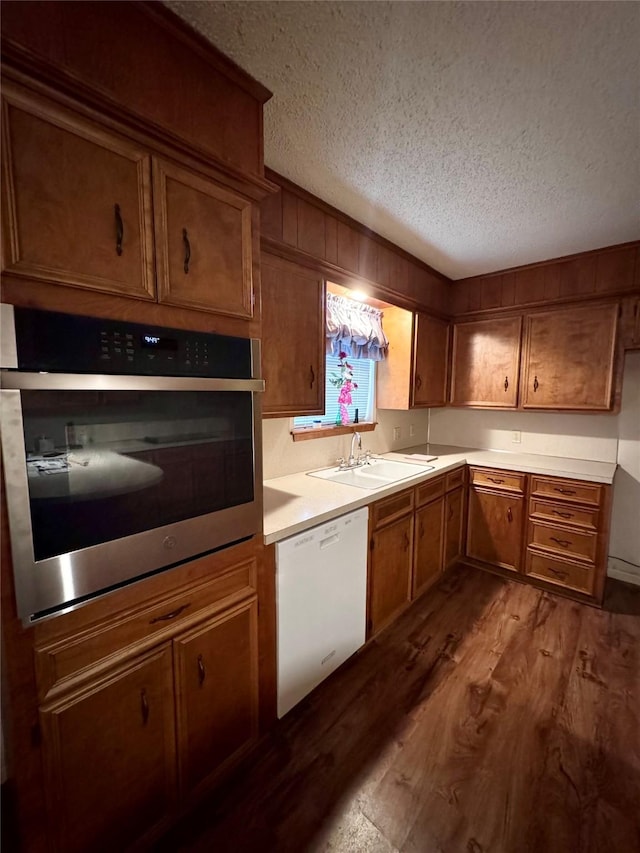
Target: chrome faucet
(356, 437)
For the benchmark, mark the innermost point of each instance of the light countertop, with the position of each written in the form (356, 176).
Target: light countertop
(297, 502)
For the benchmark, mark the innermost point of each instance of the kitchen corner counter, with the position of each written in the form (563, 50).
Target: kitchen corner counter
(296, 502)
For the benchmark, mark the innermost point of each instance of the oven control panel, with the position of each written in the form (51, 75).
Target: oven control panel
(66, 343)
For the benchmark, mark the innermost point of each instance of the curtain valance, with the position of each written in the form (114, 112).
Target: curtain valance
(355, 328)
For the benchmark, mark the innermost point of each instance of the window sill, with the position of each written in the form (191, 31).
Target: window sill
(305, 433)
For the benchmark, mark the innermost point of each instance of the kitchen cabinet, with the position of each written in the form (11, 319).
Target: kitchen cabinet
(485, 363)
(569, 358)
(630, 323)
(567, 534)
(109, 756)
(80, 209)
(415, 373)
(390, 558)
(453, 526)
(293, 337)
(429, 534)
(495, 518)
(146, 699)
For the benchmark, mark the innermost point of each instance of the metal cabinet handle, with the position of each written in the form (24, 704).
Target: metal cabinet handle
(506, 383)
(187, 250)
(144, 706)
(167, 616)
(119, 229)
(536, 384)
(312, 376)
(561, 514)
(563, 542)
(421, 529)
(495, 479)
(509, 515)
(564, 491)
(557, 572)
(418, 381)
(201, 671)
(406, 542)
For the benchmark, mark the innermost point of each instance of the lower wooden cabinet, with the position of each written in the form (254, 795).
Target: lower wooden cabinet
(453, 527)
(390, 567)
(148, 705)
(428, 551)
(109, 756)
(495, 528)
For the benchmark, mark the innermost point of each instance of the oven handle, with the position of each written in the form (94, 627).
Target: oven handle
(12, 380)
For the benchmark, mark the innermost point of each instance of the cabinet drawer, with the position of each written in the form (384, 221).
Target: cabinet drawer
(581, 546)
(503, 480)
(574, 491)
(455, 479)
(395, 506)
(560, 572)
(61, 662)
(563, 514)
(429, 491)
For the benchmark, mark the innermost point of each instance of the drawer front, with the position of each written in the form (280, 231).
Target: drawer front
(59, 662)
(429, 491)
(574, 491)
(395, 506)
(455, 479)
(570, 543)
(565, 574)
(503, 480)
(563, 514)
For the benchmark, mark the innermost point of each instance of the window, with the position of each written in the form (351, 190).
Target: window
(364, 376)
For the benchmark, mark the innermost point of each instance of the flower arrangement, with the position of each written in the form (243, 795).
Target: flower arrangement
(343, 381)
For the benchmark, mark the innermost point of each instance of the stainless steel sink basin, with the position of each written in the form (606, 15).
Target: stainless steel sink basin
(379, 473)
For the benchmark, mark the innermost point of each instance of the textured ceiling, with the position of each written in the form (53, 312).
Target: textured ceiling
(477, 136)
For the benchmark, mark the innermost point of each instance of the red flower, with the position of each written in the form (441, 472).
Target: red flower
(355, 384)
(342, 355)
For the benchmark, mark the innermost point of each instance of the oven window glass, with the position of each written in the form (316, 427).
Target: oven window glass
(106, 464)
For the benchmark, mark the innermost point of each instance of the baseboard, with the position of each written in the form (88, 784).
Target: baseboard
(622, 570)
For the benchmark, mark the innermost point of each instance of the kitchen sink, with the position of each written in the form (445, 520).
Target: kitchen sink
(379, 473)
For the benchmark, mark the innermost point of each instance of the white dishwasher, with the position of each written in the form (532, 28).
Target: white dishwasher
(321, 594)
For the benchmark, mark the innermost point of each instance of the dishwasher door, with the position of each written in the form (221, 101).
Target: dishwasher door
(321, 590)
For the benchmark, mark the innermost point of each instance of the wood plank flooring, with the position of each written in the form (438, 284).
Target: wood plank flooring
(491, 718)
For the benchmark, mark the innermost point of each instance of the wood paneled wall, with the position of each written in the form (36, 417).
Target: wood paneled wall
(614, 270)
(301, 227)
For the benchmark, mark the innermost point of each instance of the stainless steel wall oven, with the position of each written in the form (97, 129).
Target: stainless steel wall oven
(127, 449)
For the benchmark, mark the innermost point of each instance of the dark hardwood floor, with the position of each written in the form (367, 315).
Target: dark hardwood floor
(491, 718)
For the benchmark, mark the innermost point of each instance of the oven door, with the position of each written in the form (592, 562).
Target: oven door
(109, 478)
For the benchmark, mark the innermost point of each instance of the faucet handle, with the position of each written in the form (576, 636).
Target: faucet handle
(340, 462)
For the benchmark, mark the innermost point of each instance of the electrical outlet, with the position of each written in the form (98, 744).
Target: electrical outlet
(396, 433)
(516, 438)
(412, 430)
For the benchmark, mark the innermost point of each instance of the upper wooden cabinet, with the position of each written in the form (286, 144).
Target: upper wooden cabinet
(76, 201)
(203, 238)
(79, 210)
(485, 363)
(568, 358)
(416, 371)
(293, 338)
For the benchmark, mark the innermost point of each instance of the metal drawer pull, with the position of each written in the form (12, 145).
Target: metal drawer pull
(201, 671)
(312, 376)
(557, 572)
(167, 616)
(564, 491)
(144, 706)
(418, 381)
(495, 480)
(562, 514)
(187, 250)
(406, 542)
(536, 384)
(564, 542)
(506, 383)
(509, 514)
(119, 229)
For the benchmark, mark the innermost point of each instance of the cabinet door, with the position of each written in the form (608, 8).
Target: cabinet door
(217, 693)
(453, 526)
(485, 363)
(109, 756)
(495, 526)
(293, 338)
(390, 572)
(203, 243)
(430, 361)
(569, 358)
(428, 552)
(76, 201)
